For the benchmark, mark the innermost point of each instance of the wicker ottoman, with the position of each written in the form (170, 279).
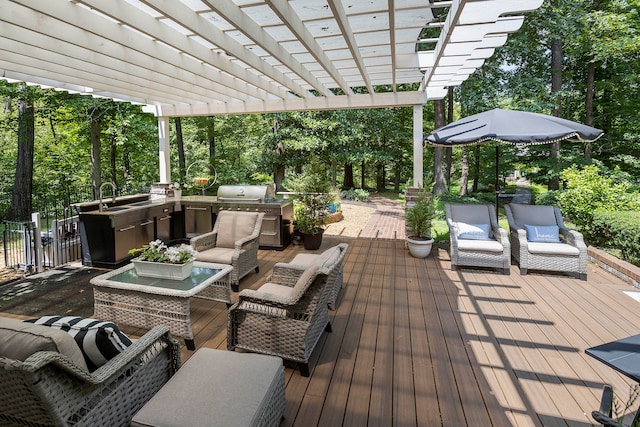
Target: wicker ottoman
(219, 388)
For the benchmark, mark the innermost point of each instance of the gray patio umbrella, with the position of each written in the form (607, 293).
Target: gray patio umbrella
(511, 126)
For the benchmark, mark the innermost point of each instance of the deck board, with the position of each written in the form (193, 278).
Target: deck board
(415, 343)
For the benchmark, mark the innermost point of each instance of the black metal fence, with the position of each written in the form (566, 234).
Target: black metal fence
(59, 239)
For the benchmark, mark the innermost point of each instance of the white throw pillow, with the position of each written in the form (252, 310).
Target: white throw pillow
(473, 231)
(542, 233)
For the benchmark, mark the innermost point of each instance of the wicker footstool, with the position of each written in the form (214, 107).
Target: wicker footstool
(219, 388)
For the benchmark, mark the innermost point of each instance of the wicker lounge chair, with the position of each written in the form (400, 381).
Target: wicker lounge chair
(476, 239)
(285, 317)
(53, 388)
(233, 241)
(568, 254)
(333, 259)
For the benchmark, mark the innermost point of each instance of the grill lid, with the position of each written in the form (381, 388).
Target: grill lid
(246, 193)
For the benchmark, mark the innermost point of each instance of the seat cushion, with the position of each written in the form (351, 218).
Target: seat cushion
(305, 259)
(19, 340)
(234, 226)
(215, 387)
(216, 255)
(553, 249)
(98, 341)
(480, 245)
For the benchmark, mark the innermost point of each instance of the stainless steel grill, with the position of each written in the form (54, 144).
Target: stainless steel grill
(277, 223)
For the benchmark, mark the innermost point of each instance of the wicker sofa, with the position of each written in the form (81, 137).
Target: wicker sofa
(569, 254)
(333, 258)
(492, 250)
(52, 387)
(285, 317)
(233, 241)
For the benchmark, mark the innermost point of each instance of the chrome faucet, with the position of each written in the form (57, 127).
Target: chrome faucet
(113, 194)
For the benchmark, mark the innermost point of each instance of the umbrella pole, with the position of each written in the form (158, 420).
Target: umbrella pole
(497, 185)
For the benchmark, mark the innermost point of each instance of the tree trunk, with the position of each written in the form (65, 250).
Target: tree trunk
(556, 87)
(464, 175)
(96, 174)
(440, 182)
(591, 83)
(348, 176)
(397, 176)
(182, 165)
(21, 196)
(476, 170)
(211, 129)
(380, 177)
(362, 175)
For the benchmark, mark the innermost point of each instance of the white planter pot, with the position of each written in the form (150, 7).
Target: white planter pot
(162, 270)
(419, 248)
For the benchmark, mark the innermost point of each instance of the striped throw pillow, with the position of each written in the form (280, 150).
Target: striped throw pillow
(99, 341)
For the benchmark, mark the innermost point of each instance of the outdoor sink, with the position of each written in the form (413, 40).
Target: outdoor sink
(142, 203)
(114, 209)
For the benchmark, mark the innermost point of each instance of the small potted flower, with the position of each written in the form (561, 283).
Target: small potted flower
(158, 260)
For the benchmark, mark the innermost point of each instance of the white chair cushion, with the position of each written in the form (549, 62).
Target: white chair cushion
(217, 255)
(553, 249)
(480, 245)
(304, 259)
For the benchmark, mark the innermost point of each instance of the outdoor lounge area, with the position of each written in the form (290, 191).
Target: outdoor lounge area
(414, 343)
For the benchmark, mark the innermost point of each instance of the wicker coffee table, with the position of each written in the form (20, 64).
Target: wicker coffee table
(122, 297)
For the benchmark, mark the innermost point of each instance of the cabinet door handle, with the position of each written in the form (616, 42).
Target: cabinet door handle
(146, 223)
(128, 228)
(164, 218)
(193, 208)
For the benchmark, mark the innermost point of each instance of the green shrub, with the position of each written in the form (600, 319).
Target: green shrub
(357, 194)
(587, 191)
(547, 198)
(620, 229)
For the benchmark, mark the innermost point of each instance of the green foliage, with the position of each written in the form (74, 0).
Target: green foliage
(357, 194)
(587, 190)
(620, 230)
(419, 216)
(313, 198)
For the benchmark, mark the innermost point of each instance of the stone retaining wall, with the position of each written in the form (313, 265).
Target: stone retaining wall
(619, 268)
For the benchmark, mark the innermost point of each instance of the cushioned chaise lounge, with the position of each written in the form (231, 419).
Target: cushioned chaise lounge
(541, 241)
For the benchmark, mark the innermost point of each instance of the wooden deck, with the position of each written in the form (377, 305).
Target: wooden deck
(414, 343)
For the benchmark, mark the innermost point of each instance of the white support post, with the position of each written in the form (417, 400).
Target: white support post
(164, 149)
(418, 159)
(37, 242)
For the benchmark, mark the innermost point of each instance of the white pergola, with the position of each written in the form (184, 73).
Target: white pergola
(208, 57)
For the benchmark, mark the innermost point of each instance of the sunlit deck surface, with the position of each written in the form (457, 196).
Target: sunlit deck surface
(414, 343)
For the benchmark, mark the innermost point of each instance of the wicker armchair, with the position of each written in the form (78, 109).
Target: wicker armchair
(333, 259)
(568, 255)
(49, 389)
(233, 241)
(490, 250)
(285, 317)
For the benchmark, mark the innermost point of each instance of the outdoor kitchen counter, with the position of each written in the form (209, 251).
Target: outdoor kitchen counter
(107, 235)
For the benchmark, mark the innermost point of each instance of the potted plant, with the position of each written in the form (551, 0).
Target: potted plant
(419, 215)
(311, 204)
(160, 261)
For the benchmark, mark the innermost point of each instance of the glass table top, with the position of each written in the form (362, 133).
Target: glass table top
(198, 276)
